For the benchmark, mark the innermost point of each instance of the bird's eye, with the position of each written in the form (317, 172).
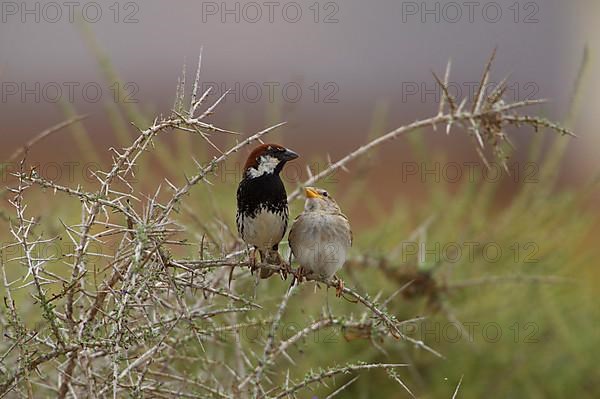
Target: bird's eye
(325, 194)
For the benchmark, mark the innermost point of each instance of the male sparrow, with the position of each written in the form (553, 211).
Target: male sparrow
(320, 237)
(262, 208)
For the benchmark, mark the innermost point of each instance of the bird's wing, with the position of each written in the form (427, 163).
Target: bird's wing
(292, 236)
(350, 236)
(347, 222)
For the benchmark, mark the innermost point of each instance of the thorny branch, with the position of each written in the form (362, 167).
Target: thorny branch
(132, 320)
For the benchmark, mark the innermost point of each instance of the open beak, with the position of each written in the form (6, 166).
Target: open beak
(288, 155)
(311, 193)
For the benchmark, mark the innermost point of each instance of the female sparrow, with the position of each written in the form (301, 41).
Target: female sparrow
(320, 237)
(262, 208)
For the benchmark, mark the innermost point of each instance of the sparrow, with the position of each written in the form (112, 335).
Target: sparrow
(320, 237)
(262, 207)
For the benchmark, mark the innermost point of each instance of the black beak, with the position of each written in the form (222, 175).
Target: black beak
(288, 155)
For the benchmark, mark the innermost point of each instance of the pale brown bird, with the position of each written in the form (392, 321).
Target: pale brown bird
(320, 237)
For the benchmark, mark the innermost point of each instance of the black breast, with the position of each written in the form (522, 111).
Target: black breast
(263, 192)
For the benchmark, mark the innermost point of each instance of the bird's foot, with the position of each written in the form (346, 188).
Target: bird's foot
(252, 260)
(286, 268)
(299, 274)
(339, 286)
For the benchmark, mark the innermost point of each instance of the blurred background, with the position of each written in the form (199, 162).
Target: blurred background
(340, 73)
(323, 67)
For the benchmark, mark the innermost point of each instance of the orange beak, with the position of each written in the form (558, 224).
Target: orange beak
(311, 192)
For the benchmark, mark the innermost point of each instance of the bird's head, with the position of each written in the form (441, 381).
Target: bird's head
(267, 159)
(318, 199)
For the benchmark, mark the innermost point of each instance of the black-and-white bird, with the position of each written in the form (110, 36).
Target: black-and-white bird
(262, 207)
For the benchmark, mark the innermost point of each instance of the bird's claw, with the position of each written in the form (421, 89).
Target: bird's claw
(339, 287)
(252, 260)
(286, 269)
(299, 274)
